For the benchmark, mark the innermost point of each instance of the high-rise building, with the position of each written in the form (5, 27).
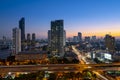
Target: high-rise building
(57, 37)
(64, 38)
(75, 38)
(79, 36)
(110, 43)
(22, 27)
(16, 40)
(33, 37)
(49, 38)
(28, 37)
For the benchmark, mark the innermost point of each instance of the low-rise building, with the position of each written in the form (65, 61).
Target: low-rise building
(30, 55)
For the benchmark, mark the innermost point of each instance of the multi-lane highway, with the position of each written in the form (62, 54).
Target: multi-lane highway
(57, 67)
(96, 68)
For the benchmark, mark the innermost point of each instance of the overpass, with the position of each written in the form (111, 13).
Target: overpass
(59, 67)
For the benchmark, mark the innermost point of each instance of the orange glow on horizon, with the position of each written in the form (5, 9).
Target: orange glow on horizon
(97, 34)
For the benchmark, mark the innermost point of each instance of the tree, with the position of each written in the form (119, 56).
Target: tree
(78, 75)
(52, 76)
(40, 75)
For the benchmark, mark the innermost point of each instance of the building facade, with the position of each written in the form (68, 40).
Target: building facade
(87, 39)
(110, 43)
(93, 38)
(75, 39)
(16, 40)
(33, 37)
(57, 37)
(64, 38)
(28, 37)
(22, 27)
(79, 36)
(49, 38)
(30, 55)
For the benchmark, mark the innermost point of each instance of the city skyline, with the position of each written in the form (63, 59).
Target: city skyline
(90, 17)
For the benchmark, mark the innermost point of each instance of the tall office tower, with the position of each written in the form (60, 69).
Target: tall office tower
(110, 43)
(57, 37)
(79, 36)
(33, 37)
(28, 37)
(16, 40)
(49, 38)
(22, 27)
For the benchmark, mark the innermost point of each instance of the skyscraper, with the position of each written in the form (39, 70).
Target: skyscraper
(28, 37)
(22, 27)
(110, 43)
(57, 37)
(79, 36)
(16, 40)
(33, 37)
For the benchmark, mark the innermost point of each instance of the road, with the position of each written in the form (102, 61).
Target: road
(83, 58)
(64, 67)
(53, 67)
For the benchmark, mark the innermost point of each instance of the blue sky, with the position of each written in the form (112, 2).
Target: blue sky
(91, 17)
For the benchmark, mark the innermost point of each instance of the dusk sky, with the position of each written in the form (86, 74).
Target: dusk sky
(90, 17)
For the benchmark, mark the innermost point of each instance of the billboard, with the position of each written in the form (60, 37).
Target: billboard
(107, 56)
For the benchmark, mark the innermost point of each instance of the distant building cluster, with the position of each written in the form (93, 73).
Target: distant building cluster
(5, 43)
(57, 44)
(29, 37)
(19, 39)
(56, 41)
(79, 38)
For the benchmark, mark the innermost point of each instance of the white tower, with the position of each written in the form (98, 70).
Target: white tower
(16, 40)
